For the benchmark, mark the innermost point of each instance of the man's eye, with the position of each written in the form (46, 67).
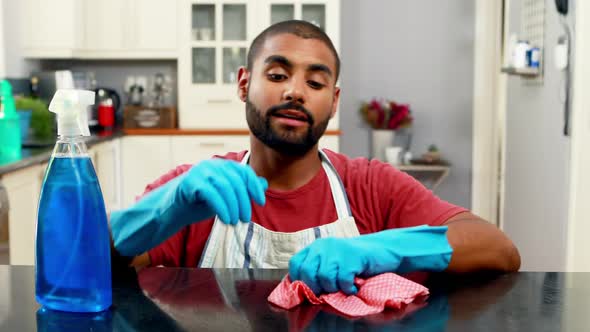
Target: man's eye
(315, 85)
(276, 77)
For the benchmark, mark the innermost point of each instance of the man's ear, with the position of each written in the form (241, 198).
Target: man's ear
(335, 101)
(243, 79)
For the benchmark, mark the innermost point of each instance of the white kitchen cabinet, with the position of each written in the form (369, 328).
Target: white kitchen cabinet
(106, 158)
(50, 29)
(23, 187)
(104, 25)
(214, 37)
(130, 29)
(105, 29)
(323, 13)
(143, 160)
(146, 158)
(192, 149)
(156, 27)
(214, 40)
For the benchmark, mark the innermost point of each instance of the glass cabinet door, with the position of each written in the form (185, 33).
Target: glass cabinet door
(234, 29)
(315, 14)
(203, 65)
(219, 41)
(233, 58)
(234, 22)
(203, 22)
(281, 12)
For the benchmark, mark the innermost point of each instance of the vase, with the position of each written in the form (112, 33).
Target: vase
(380, 140)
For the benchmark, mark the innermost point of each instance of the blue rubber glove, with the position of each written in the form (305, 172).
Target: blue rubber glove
(211, 187)
(331, 264)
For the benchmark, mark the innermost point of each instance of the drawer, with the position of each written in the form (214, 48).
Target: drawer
(192, 149)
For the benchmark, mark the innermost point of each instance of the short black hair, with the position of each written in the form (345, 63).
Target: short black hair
(298, 28)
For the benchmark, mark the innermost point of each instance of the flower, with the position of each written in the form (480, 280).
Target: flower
(384, 114)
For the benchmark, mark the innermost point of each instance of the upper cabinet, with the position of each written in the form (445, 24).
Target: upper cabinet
(214, 40)
(50, 29)
(325, 14)
(106, 29)
(130, 29)
(156, 26)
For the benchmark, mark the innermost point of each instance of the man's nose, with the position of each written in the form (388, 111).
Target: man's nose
(294, 91)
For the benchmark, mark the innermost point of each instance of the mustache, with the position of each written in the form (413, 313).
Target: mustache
(291, 106)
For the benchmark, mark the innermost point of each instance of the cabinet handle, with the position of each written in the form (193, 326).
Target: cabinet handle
(219, 101)
(212, 144)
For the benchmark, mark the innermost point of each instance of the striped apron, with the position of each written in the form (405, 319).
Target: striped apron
(249, 245)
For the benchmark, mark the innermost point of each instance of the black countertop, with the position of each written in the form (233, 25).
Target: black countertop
(175, 299)
(34, 154)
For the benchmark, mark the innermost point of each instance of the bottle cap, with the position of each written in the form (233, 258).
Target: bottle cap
(71, 108)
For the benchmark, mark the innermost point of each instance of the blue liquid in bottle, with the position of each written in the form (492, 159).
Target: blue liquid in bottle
(73, 250)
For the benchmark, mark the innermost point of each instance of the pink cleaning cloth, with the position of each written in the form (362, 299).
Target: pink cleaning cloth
(387, 290)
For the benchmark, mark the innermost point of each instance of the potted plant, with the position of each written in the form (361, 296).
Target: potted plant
(42, 121)
(384, 117)
(432, 155)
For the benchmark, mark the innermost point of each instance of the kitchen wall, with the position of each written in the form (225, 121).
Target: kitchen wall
(537, 158)
(416, 52)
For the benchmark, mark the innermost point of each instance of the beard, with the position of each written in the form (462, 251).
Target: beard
(288, 142)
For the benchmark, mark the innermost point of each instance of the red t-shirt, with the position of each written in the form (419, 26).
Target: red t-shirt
(380, 196)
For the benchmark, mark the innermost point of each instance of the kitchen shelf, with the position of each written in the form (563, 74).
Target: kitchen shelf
(522, 71)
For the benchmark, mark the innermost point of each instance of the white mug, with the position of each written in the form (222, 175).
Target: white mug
(392, 154)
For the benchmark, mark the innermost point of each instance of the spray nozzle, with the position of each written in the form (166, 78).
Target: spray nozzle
(71, 109)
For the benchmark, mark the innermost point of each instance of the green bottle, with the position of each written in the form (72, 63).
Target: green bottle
(10, 138)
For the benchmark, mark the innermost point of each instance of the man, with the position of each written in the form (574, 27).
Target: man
(326, 217)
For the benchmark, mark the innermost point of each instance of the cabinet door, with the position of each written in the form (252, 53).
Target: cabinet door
(323, 13)
(215, 36)
(107, 164)
(192, 149)
(23, 187)
(143, 160)
(107, 25)
(155, 27)
(49, 28)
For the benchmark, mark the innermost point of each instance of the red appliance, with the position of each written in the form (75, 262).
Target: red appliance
(107, 109)
(106, 113)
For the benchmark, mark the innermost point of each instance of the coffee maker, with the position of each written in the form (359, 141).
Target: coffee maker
(107, 110)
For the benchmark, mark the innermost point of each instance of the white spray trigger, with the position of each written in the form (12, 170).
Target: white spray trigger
(71, 108)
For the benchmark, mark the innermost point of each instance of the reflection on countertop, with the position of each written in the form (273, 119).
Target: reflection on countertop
(38, 153)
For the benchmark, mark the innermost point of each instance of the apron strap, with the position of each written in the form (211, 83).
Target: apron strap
(337, 188)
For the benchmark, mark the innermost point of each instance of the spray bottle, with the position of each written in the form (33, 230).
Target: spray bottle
(10, 138)
(73, 263)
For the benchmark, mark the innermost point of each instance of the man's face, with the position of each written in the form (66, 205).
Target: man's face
(290, 93)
